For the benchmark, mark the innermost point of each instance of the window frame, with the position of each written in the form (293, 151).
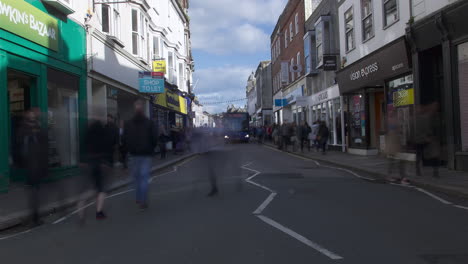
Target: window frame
(364, 18)
(384, 15)
(286, 38)
(291, 32)
(296, 22)
(156, 43)
(109, 19)
(116, 22)
(292, 73)
(135, 33)
(298, 62)
(350, 31)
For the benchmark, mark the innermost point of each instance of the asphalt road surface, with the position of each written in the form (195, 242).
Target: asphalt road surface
(271, 208)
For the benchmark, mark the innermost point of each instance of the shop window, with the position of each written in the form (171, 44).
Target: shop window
(62, 118)
(349, 29)
(400, 109)
(358, 119)
(390, 12)
(463, 92)
(367, 19)
(337, 110)
(179, 121)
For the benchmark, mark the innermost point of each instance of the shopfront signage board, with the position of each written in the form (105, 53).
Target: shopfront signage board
(25, 20)
(373, 69)
(149, 83)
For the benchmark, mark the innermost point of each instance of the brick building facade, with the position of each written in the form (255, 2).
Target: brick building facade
(287, 48)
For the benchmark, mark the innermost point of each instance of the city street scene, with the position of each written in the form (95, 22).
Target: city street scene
(222, 131)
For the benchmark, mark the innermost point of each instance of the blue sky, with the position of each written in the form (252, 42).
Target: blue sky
(229, 39)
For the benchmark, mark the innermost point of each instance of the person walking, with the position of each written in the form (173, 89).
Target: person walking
(314, 133)
(294, 135)
(122, 149)
(162, 141)
(112, 132)
(140, 139)
(305, 131)
(34, 152)
(322, 135)
(97, 151)
(285, 136)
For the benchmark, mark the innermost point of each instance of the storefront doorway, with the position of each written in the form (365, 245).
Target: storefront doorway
(21, 88)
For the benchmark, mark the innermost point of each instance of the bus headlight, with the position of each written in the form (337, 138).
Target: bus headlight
(247, 136)
(226, 137)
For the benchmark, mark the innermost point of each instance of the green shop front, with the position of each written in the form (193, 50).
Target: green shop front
(41, 66)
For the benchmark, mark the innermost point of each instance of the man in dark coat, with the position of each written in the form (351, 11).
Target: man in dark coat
(140, 138)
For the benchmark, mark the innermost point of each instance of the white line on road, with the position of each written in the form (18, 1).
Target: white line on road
(259, 185)
(265, 203)
(72, 213)
(461, 207)
(434, 196)
(299, 237)
(350, 172)
(15, 235)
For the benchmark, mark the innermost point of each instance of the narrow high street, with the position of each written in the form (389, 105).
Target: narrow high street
(272, 207)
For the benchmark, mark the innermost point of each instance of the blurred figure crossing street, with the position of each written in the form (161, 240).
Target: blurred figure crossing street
(140, 139)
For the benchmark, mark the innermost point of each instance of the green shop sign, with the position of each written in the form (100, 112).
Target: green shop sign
(23, 19)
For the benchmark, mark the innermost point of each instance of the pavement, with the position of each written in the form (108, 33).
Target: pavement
(451, 182)
(272, 207)
(59, 195)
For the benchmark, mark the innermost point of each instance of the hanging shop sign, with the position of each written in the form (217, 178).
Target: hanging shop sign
(25, 20)
(159, 66)
(150, 83)
(329, 63)
(281, 102)
(291, 97)
(385, 63)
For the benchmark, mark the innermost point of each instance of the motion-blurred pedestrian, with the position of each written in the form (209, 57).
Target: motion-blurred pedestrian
(34, 152)
(304, 139)
(314, 133)
(140, 139)
(323, 134)
(97, 151)
(112, 132)
(122, 148)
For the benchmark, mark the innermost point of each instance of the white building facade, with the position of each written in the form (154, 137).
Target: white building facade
(123, 40)
(375, 78)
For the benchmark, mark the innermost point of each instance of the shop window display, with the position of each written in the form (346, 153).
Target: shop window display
(400, 107)
(357, 111)
(62, 118)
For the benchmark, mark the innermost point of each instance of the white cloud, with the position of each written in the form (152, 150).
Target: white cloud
(223, 26)
(221, 84)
